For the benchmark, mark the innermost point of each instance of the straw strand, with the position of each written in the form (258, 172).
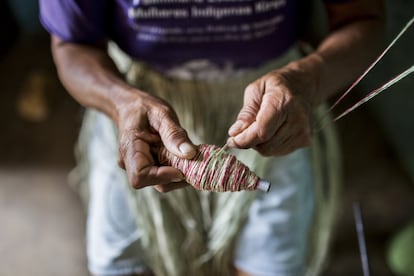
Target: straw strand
(377, 91)
(372, 65)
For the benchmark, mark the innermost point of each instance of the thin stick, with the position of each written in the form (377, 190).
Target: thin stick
(373, 64)
(224, 147)
(377, 91)
(359, 225)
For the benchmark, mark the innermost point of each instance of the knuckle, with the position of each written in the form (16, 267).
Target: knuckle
(251, 88)
(164, 112)
(121, 163)
(120, 160)
(246, 113)
(124, 143)
(161, 116)
(275, 80)
(176, 133)
(263, 135)
(136, 180)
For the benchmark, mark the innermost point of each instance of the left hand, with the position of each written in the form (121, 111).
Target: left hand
(276, 117)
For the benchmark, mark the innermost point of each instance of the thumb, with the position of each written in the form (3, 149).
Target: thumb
(248, 113)
(176, 141)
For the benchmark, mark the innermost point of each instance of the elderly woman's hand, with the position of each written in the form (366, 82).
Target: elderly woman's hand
(276, 117)
(146, 122)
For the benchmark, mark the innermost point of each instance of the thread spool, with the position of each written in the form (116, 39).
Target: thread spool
(214, 169)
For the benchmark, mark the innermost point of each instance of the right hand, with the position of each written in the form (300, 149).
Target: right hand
(144, 123)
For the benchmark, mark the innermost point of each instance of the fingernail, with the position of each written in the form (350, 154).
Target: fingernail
(179, 178)
(230, 142)
(235, 127)
(186, 148)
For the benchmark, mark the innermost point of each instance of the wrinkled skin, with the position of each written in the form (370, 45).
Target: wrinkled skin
(275, 118)
(143, 124)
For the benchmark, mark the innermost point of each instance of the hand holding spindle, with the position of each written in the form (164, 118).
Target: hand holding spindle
(214, 169)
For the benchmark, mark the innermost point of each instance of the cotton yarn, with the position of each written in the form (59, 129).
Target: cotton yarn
(214, 169)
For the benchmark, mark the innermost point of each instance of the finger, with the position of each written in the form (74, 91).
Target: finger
(246, 139)
(285, 147)
(141, 169)
(270, 118)
(276, 146)
(121, 162)
(152, 175)
(165, 188)
(271, 113)
(173, 136)
(238, 126)
(274, 110)
(285, 141)
(251, 105)
(127, 136)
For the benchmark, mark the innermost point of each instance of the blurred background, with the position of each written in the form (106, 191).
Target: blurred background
(42, 229)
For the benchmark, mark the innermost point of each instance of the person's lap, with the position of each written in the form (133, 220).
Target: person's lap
(273, 239)
(272, 242)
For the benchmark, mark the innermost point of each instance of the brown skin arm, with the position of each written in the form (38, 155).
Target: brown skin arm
(143, 121)
(276, 115)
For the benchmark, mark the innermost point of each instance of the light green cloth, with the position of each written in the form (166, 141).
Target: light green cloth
(401, 252)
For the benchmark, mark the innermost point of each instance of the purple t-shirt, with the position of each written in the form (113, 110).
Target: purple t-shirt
(245, 33)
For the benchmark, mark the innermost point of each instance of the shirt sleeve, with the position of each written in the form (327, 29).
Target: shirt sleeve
(79, 21)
